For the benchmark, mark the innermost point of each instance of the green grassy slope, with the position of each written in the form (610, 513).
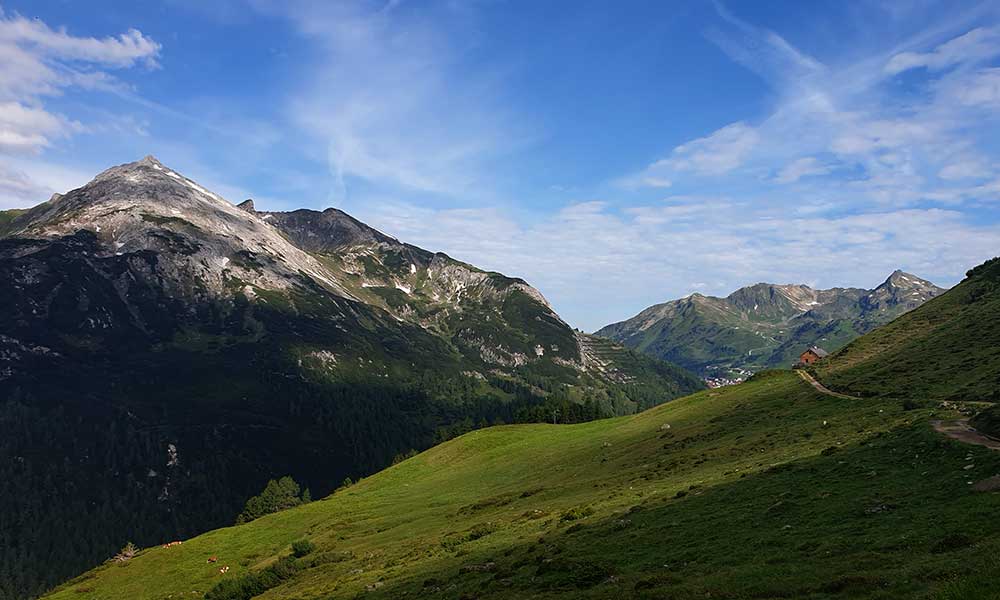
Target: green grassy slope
(947, 349)
(763, 490)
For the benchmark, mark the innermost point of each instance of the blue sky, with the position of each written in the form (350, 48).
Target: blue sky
(613, 154)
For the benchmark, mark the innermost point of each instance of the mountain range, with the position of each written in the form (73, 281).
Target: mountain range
(765, 325)
(164, 353)
(774, 488)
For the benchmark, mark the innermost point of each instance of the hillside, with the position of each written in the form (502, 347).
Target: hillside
(769, 489)
(948, 349)
(765, 325)
(164, 353)
(702, 497)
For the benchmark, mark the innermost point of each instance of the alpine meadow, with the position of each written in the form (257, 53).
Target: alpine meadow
(421, 299)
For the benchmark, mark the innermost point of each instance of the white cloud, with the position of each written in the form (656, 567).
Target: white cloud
(122, 51)
(971, 168)
(37, 61)
(598, 264)
(978, 44)
(980, 89)
(656, 182)
(803, 167)
(30, 180)
(390, 98)
(715, 154)
(846, 118)
(16, 186)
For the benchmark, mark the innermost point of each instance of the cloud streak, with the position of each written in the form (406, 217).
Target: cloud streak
(391, 99)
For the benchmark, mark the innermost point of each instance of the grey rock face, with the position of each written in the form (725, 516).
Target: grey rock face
(204, 239)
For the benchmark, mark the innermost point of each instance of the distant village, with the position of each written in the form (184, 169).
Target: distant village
(732, 376)
(737, 375)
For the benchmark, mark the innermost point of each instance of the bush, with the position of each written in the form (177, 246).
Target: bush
(403, 456)
(301, 548)
(577, 512)
(277, 495)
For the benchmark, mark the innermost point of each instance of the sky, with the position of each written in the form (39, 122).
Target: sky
(614, 155)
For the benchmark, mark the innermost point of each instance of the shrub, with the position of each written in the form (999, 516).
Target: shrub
(301, 548)
(403, 456)
(577, 512)
(277, 495)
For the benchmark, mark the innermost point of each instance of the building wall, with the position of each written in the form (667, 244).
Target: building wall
(808, 357)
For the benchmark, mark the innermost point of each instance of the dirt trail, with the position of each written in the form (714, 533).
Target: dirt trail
(822, 388)
(960, 430)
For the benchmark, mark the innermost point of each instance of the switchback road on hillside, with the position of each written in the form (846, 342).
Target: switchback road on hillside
(822, 388)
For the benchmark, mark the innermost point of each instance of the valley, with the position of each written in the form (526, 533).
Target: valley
(499, 300)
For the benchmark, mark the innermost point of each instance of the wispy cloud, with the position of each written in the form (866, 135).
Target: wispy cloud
(978, 44)
(847, 130)
(715, 154)
(37, 61)
(802, 167)
(389, 98)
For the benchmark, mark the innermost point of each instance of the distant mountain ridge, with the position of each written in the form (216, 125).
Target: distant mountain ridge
(765, 325)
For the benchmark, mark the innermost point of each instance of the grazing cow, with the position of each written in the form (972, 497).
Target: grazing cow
(212, 559)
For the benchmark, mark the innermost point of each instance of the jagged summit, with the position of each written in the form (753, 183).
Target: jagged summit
(901, 289)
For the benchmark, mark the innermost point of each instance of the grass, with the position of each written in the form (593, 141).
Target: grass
(763, 490)
(947, 349)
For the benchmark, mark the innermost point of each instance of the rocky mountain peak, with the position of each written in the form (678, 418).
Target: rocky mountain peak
(901, 288)
(197, 234)
(247, 205)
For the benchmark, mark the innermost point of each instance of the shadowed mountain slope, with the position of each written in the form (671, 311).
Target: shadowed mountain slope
(163, 353)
